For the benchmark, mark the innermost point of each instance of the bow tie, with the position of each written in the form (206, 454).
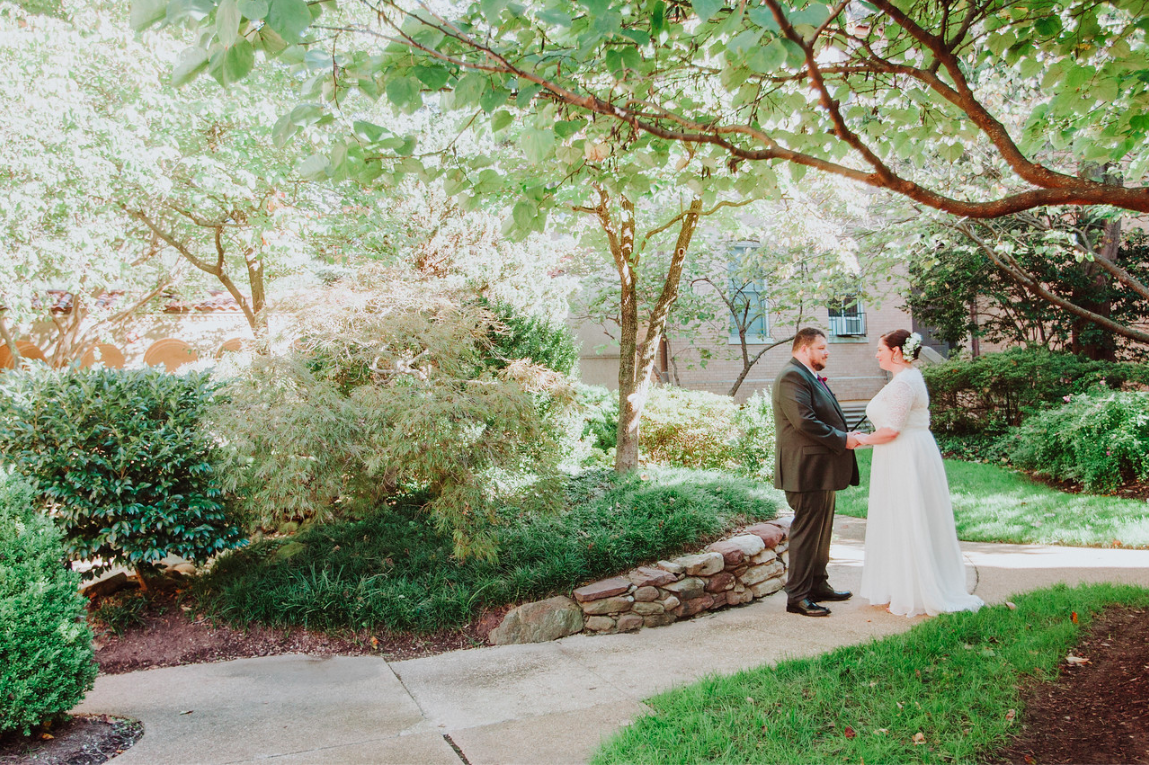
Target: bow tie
(821, 379)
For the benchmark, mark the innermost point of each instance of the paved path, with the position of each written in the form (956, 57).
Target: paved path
(542, 703)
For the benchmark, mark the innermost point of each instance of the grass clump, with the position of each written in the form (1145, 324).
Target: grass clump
(393, 569)
(950, 683)
(995, 504)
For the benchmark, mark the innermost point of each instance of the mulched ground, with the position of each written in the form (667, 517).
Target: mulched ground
(1097, 712)
(1127, 490)
(82, 740)
(174, 634)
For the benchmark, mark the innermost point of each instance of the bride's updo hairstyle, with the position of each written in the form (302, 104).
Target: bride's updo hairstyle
(906, 341)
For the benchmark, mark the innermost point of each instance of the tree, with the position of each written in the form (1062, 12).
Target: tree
(853, 89)
(119, 188)
(960, 290)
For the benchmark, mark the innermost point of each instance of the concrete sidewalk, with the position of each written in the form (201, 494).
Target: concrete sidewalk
(542, 703)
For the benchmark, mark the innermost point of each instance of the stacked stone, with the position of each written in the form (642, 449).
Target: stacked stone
(730, 572)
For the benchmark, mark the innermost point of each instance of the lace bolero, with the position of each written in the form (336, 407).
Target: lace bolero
(904, 403)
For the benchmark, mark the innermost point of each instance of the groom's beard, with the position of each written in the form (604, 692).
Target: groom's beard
(817, 366)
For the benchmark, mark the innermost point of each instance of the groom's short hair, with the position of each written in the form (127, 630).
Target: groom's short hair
(806, 336)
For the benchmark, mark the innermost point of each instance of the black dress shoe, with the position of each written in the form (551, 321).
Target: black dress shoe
(807, 607)
(829, 594)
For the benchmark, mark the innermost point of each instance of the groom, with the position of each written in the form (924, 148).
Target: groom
(813, 459)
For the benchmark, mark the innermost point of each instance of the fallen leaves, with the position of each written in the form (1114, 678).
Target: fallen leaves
(919, 738)
(1073, 617)
(1010, 715)
(849, 732)
(1076, 661)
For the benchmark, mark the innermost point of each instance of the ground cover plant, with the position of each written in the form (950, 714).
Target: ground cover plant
(995, 503)
(949, 690)
(393, 569)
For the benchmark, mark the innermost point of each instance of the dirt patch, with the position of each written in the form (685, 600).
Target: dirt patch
(1097, 711)
(1128, 490)
(82, 740)
(172, 633)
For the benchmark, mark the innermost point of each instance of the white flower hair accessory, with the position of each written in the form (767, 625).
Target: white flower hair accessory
(912, 343)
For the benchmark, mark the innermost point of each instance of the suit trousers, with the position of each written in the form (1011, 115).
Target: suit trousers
(809, 542)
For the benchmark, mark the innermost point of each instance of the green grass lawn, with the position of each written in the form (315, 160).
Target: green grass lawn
(993, 503)
(394, 570)
(951, 681)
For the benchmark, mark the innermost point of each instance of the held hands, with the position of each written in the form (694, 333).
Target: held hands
(853, 440)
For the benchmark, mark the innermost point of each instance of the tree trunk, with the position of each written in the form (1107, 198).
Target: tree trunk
(1098, 280)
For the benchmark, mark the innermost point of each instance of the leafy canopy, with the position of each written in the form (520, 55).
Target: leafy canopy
(857, 88)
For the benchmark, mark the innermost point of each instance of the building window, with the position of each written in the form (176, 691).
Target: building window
(748, 306)
(847, 319)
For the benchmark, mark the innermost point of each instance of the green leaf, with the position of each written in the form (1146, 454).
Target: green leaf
(253, 9)
(469, 89)
(434, 77)
(270, 41)
(306, 114)
(238, 61)
(147, 12)
(314, 168)
(705, 9)
(767, 58)
(290, 18)
(526, 94)
(567, 128)
(537, 144)
(764, 17)
(491, 10)
(227, 18)
(501, 119)
(524, 215)
(191, 62)
(795, 56)
(744, 41)
(555, 18)
(493, 99)
(404, 92)
(368, 131)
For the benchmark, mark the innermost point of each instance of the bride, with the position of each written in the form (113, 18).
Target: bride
(913, 561)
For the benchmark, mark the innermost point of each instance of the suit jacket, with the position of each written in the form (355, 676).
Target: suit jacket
(810, 434)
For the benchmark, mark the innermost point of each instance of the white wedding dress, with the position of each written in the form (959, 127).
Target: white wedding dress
(913, 561)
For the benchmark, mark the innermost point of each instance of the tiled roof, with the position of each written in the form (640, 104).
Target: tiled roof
(217, 300)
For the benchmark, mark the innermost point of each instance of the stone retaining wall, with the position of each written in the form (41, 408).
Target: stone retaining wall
(749, 565)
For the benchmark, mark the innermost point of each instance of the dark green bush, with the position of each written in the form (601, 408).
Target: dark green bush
(1099, 439)
(393, 569)
(46, 663)
(121, 458)
(533, 338)
(999, 390)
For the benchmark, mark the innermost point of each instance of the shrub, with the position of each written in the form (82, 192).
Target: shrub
(123, 460)
(598, 407)
(998, 390)
(392, 569)
(1099, 439)
(685, 428)
(386, 393)
(754, 446)
(688, 428)
(532, 338)
(46, 663)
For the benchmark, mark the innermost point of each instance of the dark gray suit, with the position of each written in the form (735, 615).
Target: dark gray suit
(811, 462)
